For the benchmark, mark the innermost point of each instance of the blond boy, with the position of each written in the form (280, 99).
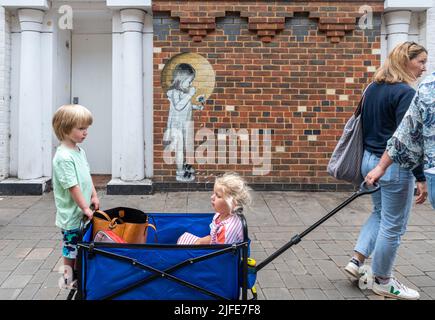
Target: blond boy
(73, 189)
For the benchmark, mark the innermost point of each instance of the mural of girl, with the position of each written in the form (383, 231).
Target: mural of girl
(180, 118)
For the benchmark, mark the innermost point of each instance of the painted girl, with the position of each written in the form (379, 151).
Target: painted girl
(180, 120)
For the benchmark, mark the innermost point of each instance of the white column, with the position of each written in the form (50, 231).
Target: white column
(5, 58)
(132, 130)
(117, 94)
(148, 95)
(30, 155)
(397, 27)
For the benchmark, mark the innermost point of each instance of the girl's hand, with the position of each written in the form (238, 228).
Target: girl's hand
(192, 91)
(95, 202)
(204, 240)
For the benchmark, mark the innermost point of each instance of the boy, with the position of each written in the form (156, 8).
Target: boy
(73, 189)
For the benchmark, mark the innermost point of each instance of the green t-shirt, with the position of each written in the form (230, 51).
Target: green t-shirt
(70, 168)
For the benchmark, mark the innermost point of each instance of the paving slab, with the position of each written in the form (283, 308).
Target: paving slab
(16, 281)
(28, 291)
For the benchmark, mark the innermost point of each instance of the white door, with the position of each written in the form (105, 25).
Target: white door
(91, 86)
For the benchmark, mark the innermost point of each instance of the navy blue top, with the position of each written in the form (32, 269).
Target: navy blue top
(384, 106)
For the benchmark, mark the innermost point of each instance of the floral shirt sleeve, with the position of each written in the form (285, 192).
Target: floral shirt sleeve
(413, 142)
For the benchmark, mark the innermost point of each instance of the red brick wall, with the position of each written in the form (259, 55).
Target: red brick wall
(297, 68)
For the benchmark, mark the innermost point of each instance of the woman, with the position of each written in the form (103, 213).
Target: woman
(387, 100)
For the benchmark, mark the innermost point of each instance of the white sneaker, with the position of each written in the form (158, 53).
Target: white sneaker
(353, 268)
(68, 284)
(367, 279)
(395, 289)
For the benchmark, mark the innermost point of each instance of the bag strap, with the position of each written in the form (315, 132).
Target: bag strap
(112, 222)
(151, 225)
(358, 110)
(155, 231)
(105, 215)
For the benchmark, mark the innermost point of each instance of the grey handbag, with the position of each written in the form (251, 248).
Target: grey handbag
(345, 162)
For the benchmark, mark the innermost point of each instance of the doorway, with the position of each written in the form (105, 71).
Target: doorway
(91, 86)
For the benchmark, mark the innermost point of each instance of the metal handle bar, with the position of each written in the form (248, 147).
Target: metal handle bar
(363, 189)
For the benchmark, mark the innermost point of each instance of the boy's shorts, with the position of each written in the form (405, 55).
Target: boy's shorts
(70, 238)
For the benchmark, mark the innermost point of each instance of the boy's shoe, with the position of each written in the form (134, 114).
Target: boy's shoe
(353, 268)
(69, 285)
(395, 289)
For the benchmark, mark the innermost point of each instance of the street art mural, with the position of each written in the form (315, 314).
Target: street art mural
(188, 80)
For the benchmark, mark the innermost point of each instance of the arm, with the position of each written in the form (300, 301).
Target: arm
(406, 145)
(94, 198)
(180, 103)
(379, 170)
(421, 192)
(418, 173)
(204, 240)
(78, 198)
(195, 107)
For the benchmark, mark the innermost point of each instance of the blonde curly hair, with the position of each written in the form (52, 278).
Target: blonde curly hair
(235, 191)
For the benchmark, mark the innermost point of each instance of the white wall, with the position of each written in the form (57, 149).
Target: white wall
(48, 47)
(430, 37)
(5, 65)
(62, 73)
(414, 27)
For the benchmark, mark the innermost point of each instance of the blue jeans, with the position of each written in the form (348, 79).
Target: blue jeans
(430, 180)
(382, 231)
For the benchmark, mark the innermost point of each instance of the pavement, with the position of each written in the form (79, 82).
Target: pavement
(30, 252)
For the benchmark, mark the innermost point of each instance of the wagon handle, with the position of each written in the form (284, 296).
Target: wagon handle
(363, 189)
(83, 222)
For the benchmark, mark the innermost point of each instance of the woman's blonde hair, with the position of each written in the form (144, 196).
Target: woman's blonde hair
(235, 191)
(395, 67)
(68, 117)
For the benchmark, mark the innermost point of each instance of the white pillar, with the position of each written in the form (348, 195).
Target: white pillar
(132, 130)
(30, 153)
(148, 95)
(397, 27)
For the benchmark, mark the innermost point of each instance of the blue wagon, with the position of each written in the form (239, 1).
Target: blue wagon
(163, 270)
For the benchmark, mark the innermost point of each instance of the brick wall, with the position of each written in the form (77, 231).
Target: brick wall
(294, 68)
(5, 46)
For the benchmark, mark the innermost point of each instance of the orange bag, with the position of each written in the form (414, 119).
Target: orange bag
(129, 224)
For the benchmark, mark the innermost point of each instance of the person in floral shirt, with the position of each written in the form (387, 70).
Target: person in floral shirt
(413, 143)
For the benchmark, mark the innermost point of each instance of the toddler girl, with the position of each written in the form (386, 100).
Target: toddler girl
(230, 195)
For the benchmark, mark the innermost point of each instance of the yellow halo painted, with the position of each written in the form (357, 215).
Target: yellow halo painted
(205, 77)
